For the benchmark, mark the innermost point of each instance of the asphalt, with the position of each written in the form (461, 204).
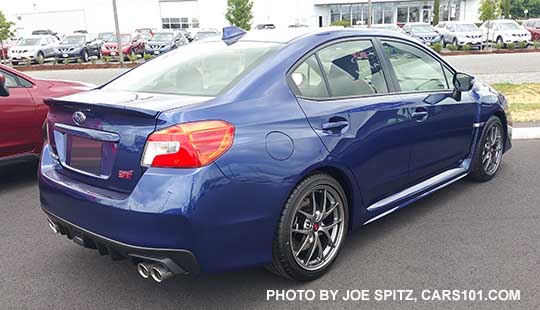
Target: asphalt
(495, 68)
(467, 236)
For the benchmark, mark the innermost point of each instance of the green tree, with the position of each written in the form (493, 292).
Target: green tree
(487, 10)
(504, 7)
(239, 13)
(5, 32)
(436, 12)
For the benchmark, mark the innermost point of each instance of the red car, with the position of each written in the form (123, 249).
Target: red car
(22, 112)
(131, 45)
(533, 25)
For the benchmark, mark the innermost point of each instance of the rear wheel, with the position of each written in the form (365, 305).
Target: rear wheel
(488, 156)
(311, 230)
(85, 57)
(40, 58)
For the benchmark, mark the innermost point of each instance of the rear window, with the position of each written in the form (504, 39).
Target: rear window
(203, 69)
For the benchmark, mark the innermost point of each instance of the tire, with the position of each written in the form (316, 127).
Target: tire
(488, 155)
(454, 42)
(15, 63)
(40, 55)
(499, 40)
(84, 56)
(305, 232)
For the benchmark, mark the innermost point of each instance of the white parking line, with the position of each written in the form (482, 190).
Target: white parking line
(526, 133)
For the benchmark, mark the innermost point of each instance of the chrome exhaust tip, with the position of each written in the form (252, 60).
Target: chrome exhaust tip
(144, 270)
(160, 273)
(53, 226)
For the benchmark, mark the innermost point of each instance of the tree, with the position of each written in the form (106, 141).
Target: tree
(487, 10)
(5, 32)
(504, 7)
(239, 13)
(436, 12)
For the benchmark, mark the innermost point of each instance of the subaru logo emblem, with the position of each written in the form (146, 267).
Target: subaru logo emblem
(79, 118)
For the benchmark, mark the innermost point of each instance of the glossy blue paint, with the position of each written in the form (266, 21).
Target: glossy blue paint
(226, 213)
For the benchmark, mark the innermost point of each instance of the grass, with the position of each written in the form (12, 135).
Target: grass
(524, 100)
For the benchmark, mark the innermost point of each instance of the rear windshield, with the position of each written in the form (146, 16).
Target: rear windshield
(203, 69)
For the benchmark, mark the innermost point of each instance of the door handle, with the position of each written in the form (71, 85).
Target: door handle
(335, 126)
(420, 114)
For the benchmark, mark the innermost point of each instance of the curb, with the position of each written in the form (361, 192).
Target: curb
(526, 133)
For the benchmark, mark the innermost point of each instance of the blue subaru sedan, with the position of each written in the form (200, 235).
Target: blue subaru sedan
(263, 149)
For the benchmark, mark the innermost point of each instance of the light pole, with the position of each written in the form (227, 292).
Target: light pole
(370, 14)
(118, 39)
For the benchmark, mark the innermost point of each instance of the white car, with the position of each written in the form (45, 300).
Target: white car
(460, 34)
(505, 31)
(36, 48)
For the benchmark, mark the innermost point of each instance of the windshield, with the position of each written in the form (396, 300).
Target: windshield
(204, 69)
(73, 40)
(204, 35)
(29, 42)
(105, 36)
(146, 36)
(422, 28)
(509, 26)
(125, 38)
(163, 37)
(466, 28)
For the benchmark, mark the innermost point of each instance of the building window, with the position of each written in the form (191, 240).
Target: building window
(195, 23)
(334, 13)
(176, 23)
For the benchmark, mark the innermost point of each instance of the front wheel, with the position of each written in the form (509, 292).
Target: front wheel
(488, 155)
(311, 230)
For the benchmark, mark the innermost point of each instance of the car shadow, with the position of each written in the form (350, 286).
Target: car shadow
(18, 174)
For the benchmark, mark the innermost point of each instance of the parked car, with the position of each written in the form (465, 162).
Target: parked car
(505, 31)
(389, 27)
(36, 48)
(205, 34)
(105, 36)
(265, 26)
(145, 31)
(461, 34)
(22, 112)
(186, 33)
(46, 32)
(131, 45)
(533, 26)
(164, 42)
(245, 144)
(423, 32)
(79, 46)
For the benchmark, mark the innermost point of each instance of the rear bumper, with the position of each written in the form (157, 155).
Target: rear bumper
(195, 210)
(178, 261)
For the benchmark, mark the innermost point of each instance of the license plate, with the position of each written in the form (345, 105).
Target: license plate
(113, 53)
(156, 52)
(65, 55)
(86, 155)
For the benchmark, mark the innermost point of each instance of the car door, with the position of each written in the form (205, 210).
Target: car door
(444, 126)
(17, 119)
(348, 100)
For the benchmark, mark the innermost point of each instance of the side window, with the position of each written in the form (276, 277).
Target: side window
(415, 69)
(308, 79)
(353, 69)
(11, 81)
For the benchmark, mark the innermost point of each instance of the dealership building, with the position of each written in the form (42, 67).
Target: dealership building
(65, 16)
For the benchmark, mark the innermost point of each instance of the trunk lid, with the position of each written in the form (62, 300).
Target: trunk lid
(99, 136)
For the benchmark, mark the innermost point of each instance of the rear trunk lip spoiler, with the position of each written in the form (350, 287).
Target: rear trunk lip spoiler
(85, 105)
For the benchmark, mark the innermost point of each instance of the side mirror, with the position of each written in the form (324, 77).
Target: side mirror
(462, 83)
(4, 91)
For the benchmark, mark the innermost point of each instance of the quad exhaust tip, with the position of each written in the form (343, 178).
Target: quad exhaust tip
(53, 226)
(157, 272)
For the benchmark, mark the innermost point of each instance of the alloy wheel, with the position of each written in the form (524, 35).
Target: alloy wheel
(492, 150)
(317, 228)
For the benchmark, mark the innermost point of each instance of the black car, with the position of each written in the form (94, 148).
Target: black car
(163, 42)
(78, 46)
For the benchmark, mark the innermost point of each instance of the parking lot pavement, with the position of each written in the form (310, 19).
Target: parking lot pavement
(496, 68)
(468, 236)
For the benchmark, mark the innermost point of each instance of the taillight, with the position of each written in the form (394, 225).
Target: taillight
(188, 145)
